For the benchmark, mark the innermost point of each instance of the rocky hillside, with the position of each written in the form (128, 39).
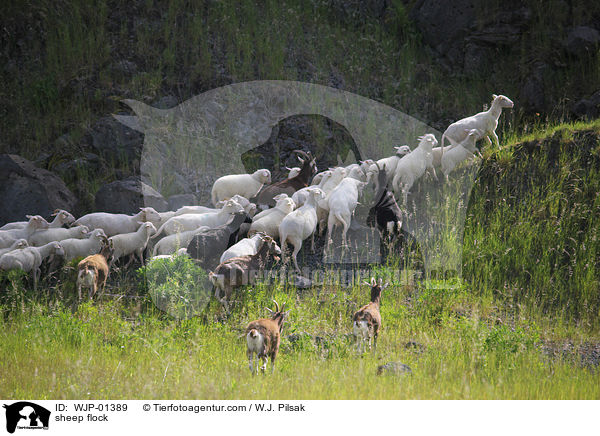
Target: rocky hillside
(65, 66)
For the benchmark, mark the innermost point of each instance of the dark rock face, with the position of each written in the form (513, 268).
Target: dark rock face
(588, 107)
(180, 200)
(28, 190)
(115, 142)
(582, 40)
(127, 196)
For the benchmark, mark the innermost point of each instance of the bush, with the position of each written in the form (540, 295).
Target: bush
(178, 286)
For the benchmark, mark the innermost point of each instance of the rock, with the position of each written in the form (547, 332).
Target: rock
(415, 346)
(581, 40)
(393, 368)
(89, 163)
(124, 66)
(302, 282)
(127, 196)
(28, 190)
(115, 142)
(475, 58)
(180, 200)
(166, 102)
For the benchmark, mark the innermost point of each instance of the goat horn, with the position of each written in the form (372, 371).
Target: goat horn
(276, 306)
(302, 153)
(282, 307)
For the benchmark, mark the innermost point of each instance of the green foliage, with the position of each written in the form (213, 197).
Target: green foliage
(177, 286)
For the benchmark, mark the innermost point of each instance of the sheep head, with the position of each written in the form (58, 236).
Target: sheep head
(502, 101)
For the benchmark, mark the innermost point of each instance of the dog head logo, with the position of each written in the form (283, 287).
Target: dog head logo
(207, 136)
(26, 415)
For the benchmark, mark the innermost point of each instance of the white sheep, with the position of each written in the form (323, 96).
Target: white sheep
(170, 244)
(246, 185)
(320, 177)
(249, 207)
(171, 257)
(116, 223)
(61, 217)
(389, 163)
(486, 122)
(293, 172)
(74, 248)
(269, 224)
(337, 175)
(187, 222)
(130, 244)
(245, 247)
(342, 201)
(300, 224)
(29, 259)
(278, 200)
(461, 152)
(17, 245)
(412, 166)
(8, 237)
(43, 237)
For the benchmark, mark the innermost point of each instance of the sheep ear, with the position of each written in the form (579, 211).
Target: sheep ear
(494, 96)
(385, 286)
(373, 281)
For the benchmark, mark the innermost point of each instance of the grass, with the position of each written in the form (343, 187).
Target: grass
(94, 353)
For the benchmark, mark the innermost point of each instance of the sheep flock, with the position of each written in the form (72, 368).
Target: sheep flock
(249, 217)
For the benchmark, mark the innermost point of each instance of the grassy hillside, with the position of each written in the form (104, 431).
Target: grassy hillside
(522, 324)
(67, 63)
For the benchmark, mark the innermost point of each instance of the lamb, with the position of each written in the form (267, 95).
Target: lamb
(437, 153)
(341, 204)
(42, 237)
(269, 224)
(206, 247)
(459, 153)
(412, 166)
(187, 222)
(115, 224)
(367, 319)
(17, 245)
(263, 336)
(61, 217)
(8, 237)
(246, 247)
(30, 259)
(170, 244)
(93, 271)
(265, 198)
(246, 185)
(239, 271)
(130, 244)
(486, 122)
(300, 224)
(74, 248)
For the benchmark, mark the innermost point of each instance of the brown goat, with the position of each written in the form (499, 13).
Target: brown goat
(367, 320)
(241, 270)
(93, 270)
(263, 336)
(288, 186)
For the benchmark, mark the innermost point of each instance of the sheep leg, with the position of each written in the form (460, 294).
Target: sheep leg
(488, 140)
(79, 290)
(295, 254)
(93, 290)
(251, 361)
(495, 138)
(264, 359)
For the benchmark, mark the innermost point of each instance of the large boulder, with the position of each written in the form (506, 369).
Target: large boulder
(127, 196)
(28, 190)
(115, 142)
(582, 40)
